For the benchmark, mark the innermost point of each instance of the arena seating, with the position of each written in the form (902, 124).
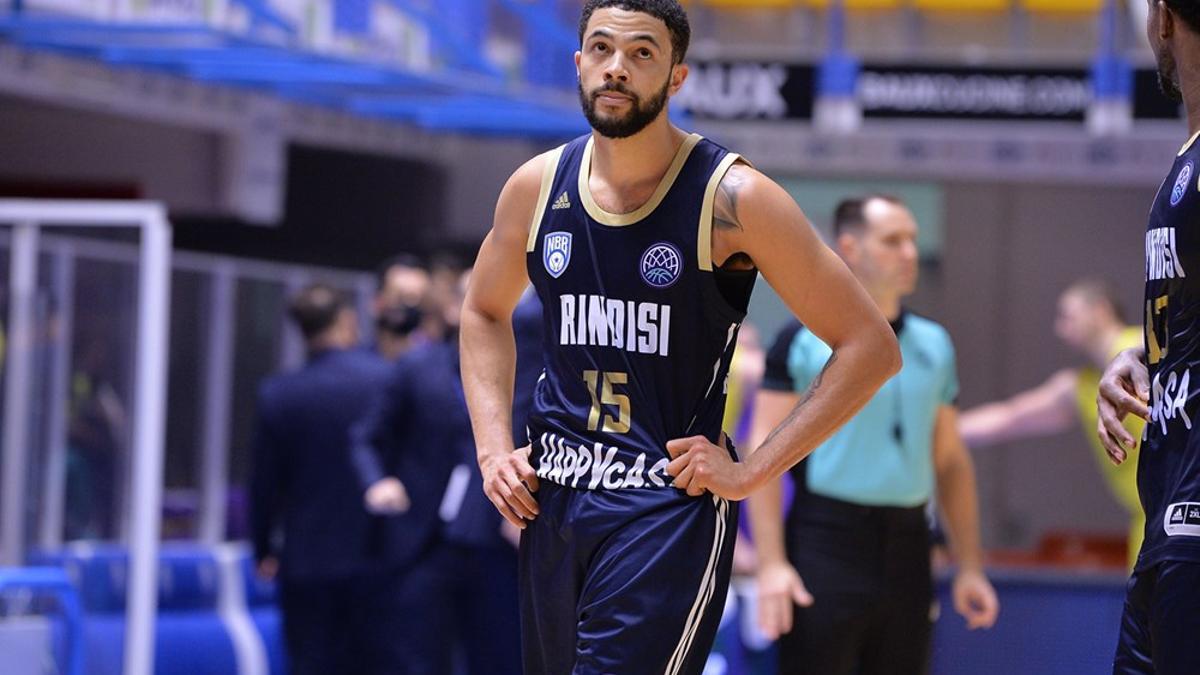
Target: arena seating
(40, 622)
(962, 5)
(203, 625)
(1061, 6)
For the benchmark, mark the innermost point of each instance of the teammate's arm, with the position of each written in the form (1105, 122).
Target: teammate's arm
(974, 597)
(1046, 409)
(489, 350)
(1124, 390)
(756, 219)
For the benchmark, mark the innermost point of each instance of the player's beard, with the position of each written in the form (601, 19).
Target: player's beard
(638, 117)
(1166, 76)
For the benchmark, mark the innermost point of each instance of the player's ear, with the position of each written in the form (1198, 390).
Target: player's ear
(1166, 21)
(679, 73)
(578, 58)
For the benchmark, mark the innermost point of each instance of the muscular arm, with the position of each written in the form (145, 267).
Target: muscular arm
(755, 218)
(757, 224)
(488, 349)
(1046, 409)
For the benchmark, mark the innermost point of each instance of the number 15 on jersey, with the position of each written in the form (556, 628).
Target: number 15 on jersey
(601, 387)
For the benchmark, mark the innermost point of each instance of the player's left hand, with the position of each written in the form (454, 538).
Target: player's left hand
(975, 599)
(1124, 390)
(698, 465)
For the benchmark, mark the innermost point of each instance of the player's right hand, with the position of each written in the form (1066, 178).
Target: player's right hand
(779, 587)
(1124, 390)
(509, 481)
(386, 497)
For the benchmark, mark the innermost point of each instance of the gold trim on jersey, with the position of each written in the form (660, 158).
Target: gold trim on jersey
(1187, 146)
(619, 219)
(704, 239)
(548, 172)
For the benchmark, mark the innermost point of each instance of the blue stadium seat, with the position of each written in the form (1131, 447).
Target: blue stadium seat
(193, 637)
(48, 593)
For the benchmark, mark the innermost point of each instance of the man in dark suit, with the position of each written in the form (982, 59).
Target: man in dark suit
(401, 285)
(303, 480)
(448, 578)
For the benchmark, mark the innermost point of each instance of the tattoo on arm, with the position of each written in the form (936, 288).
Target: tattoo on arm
(725, 204)
(812, 390)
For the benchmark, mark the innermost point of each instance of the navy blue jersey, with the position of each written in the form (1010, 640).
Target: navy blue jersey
(638, 333)
(1169, 465)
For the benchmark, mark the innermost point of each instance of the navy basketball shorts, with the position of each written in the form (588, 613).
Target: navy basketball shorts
(623, 582)
(1161, 621)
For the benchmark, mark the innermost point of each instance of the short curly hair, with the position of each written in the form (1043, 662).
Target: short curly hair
(669, 11)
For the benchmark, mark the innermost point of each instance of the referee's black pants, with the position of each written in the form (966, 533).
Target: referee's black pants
(868, 571)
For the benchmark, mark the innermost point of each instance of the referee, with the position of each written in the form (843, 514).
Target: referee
(856, 532)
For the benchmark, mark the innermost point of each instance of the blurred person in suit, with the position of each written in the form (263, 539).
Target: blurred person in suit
(304, 484)
(401, 285)
(445, 590)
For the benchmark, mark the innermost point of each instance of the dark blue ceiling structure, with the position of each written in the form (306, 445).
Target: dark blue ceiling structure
(464, 94)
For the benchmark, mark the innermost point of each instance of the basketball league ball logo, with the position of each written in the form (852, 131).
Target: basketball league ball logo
(661, 265)
(1181, 184)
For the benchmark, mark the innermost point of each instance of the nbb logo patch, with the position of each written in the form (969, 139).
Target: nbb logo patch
(556, 253)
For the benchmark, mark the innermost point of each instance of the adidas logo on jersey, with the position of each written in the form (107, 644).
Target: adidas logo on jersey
(1182, 519)
(561, 203)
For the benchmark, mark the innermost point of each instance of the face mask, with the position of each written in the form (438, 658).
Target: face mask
(400, 320)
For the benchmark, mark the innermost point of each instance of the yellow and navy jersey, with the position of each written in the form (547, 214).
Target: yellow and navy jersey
(1169, 462)
(639, 328)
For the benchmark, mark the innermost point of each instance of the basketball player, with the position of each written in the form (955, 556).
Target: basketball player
(1162, 604)
(643, 243)
(1091, 322)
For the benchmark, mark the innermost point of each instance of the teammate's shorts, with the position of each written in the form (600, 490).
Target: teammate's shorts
(623, 582)
(1161, 621)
